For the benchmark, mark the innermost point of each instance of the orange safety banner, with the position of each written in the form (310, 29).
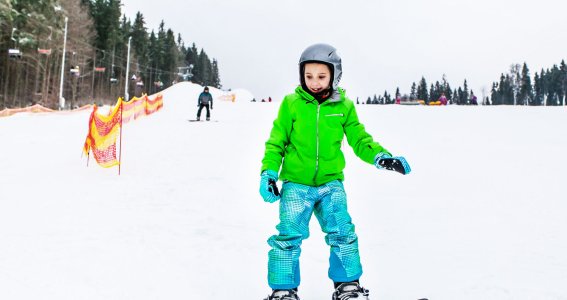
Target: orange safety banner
(154, 105)
(104, 129)
(133, 109)
(37, 108)
(102, 136)
(143, 106)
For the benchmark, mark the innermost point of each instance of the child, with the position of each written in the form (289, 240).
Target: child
(305, 141)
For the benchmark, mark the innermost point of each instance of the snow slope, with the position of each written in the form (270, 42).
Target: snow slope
(481, 216)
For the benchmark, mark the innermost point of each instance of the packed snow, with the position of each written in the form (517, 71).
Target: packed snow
(481, 216)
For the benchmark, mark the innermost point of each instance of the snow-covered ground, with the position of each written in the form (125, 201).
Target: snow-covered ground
(483, 215)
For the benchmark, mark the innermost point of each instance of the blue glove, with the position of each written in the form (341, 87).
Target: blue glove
(396, 163)
(268, 187)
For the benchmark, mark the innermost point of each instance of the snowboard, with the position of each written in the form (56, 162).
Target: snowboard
(202, 120)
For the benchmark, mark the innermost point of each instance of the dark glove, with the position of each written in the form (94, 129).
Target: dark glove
(396, 163)
(268, 187)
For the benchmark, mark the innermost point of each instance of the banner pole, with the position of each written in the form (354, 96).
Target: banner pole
(120, 150)
(89, 134)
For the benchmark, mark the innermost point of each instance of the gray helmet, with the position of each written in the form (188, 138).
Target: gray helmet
(322, 53)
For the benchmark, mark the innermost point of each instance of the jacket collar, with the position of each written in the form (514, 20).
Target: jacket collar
(337, 96)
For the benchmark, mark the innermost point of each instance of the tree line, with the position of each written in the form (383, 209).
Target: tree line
(421, 91)
(96, 51)
(549, 88)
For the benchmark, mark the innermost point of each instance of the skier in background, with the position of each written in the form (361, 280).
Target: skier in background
(473, 99)
(204, 99)
(443, 99)
(305, 142)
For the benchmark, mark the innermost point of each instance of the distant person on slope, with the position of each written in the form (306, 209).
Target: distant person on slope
(443, 99)
(305, 142)
(473, 99)
(204, 99)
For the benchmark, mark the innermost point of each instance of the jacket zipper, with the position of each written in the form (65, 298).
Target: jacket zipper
(317, 145)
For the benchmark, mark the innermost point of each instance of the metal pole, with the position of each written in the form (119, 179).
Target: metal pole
(61, 99)
(126, 95)
(120, 149)
(93, 72)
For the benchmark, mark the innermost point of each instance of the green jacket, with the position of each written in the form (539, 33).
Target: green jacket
(307, 138)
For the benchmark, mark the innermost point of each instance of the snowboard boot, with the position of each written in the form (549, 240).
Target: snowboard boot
(350, 290)
(283, 295)
(208, 119)
(198, 118)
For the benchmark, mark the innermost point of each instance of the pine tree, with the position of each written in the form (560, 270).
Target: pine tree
(106, 15)
(525, 95)
(538, 91)
(495, 95)
(422, 90)
(413, 92)
(154, 50)
(555, 85)
(205, 67)
(432, 93)
(387, 98)
(543, 86)
(140, 39)
(170, 56)
(216, 76)
(455, 98)
(466, 96)
(563, 82)
(445, 87)
(504, 87)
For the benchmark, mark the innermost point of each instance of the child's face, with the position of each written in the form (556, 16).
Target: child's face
(317, 77)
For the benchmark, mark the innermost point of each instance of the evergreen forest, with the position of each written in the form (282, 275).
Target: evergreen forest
(32, 38)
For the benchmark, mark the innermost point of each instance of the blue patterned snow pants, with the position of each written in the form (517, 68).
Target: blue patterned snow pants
(297, 204)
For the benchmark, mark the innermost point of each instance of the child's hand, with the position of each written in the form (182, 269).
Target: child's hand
(396, 163)
(268, 188)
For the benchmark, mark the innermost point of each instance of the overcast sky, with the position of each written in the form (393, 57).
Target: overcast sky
(383, 44)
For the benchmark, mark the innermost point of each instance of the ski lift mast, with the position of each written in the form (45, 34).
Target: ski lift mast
(61, 99)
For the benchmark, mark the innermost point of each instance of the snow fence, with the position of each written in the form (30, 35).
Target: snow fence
(104, 129)
(37, 108)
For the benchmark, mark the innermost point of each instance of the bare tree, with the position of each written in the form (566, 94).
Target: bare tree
(80, 52)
